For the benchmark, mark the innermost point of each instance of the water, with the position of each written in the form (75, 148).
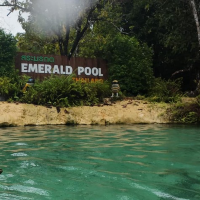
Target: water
(138, 162)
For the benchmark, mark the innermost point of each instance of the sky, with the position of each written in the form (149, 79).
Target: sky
(9, 23)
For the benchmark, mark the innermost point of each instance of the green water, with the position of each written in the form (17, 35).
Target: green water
(138, 162)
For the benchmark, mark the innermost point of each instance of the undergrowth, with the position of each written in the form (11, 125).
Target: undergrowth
(165, 91)
(63, 91)
(187, 113)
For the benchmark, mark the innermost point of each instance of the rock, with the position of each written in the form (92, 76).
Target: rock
(66, 111)
(107, 101)
(29, 114)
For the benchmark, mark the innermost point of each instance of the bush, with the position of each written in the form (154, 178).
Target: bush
(165, 91)
(130, 63)
(63, 91)
(7, 53)
(185, 113)
(11, 87)
(6, 87)
(198, 99)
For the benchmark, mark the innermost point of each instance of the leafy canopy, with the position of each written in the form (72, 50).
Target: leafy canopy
(63, 23)
(7, 53)
(130, 63)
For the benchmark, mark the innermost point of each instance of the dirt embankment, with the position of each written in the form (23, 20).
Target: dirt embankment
(122, 112)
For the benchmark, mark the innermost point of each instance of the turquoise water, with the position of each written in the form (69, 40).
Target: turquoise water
(138, 162)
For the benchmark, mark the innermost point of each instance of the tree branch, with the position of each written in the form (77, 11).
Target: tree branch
(80, 33)
(182, 70)
(66, 41)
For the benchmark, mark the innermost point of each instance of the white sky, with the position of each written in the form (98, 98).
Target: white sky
(9, 23)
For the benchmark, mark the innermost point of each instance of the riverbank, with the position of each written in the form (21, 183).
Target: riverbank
(120, 112)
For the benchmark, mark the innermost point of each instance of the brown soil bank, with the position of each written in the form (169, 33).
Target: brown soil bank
(122, 112)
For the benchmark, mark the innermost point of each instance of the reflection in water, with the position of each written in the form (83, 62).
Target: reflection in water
(140, 162)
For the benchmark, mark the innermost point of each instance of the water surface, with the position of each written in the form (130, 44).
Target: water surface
(138, 162)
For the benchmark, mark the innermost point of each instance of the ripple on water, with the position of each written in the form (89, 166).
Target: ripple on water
(21, 144)
(138, 162)
(25, 189)
(13, 197)
(20, 154)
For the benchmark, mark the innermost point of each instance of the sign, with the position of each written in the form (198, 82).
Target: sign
(40, 66)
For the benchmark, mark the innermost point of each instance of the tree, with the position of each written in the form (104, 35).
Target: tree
(36, 44)
(106, 25)
(169, 28)
(130, 63)
(7, 53)
(196, 18)
(63, 22)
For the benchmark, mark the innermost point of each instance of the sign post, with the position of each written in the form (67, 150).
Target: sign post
(40, 66)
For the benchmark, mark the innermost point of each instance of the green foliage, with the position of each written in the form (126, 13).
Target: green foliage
(169, 28)
(198, 100)
(130, 63)
(11, 86)
(165, 90)
(29, 42)
(140, 97)
(185, 113)
(60, 24)
(64, 92)
(99, 34)
(6, 87)
(7, 53)
(191, 118)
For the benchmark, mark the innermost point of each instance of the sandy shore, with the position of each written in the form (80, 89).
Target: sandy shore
(122, 112)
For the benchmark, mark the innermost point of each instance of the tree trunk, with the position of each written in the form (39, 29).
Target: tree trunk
(196, 19)
(60, 42)
(66, 41)
(80, 33)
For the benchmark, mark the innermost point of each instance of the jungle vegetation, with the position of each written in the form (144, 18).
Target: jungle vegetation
(151, 48)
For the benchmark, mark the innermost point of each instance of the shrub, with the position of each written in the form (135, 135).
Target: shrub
(130, 63)
(6, 87)
(198, 100)
(185, 113)
(11, 86)
(7, 53)
(64, 92)
(165, 90)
